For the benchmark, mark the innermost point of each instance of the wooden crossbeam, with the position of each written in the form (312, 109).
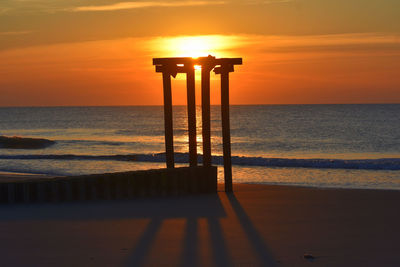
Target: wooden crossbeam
(223, 69)
(174, 69)
(223, 66)
(171, 61)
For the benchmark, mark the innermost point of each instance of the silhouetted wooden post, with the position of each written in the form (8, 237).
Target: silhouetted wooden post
(226, 66)
(226, 131)
(191, 109)
(205, 113)
(169, 134)
(170, 67)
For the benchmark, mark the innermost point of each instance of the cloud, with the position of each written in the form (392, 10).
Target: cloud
(267, 2)
(15, 33)
(144, 4)
(276, 1)
(324, 43)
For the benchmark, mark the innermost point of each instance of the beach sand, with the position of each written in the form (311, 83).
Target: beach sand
(258, 225)
(16, 176)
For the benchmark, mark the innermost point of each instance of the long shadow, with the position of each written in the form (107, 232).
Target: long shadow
(258, 244)
(191, 208)
(157, 210)
(143, 246)
(163, 208)
(190, 246)
(219, 250)
(220, 253)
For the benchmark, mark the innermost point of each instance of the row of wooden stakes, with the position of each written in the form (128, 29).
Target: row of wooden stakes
(122, 185)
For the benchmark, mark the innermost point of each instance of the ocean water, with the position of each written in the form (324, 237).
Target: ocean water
(345, 146)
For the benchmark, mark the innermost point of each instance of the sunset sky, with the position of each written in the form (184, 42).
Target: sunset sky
(98, 52)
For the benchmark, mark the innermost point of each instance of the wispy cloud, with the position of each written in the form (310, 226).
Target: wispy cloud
(266, 2)
(15, 33)
(275, 1)
(145, 4)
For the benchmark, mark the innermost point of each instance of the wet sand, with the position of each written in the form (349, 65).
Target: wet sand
(16, 176)
(258, 225)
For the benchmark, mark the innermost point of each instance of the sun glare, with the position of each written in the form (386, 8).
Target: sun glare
(194, 46)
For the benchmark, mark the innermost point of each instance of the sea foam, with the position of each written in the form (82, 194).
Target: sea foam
(362, 164)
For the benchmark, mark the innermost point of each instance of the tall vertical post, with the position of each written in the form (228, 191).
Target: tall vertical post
(170, 67)
(169, 135)
(226, 135)
(205, 109)
(191, 110)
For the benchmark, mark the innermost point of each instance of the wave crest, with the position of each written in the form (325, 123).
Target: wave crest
(362, 164)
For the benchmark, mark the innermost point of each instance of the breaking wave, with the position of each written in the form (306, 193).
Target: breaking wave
(361, 164)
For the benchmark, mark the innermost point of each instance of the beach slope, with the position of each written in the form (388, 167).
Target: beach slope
(258, 225)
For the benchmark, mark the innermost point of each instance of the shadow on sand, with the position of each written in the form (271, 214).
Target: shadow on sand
(257, 243)
(210, 208)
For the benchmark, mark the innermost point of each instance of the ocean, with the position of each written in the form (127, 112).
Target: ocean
(340, 146)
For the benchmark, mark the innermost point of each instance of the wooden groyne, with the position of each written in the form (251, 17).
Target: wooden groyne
(121, 185)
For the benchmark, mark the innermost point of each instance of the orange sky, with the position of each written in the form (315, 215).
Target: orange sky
(99, 52)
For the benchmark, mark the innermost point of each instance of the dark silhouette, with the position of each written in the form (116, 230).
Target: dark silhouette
(159, 210)
(171, 67)
(108, 186)
(16, 142)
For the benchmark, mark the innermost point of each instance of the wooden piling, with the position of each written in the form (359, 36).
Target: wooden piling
(191, 110)
(169, 139)
(11, 192)
(226, 132)
(205, 111)
(41, 192)
(26, 189)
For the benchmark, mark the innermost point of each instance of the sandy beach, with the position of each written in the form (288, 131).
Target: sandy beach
(120, 120)
(15, 176)
(258, 225)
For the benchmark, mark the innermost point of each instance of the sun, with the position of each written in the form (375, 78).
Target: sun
(193, 46)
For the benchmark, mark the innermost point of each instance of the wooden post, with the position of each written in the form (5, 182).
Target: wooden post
(169, 139)
(11, 193)
(205, 109)
(223, 66)
(226, 133)
(191, 109)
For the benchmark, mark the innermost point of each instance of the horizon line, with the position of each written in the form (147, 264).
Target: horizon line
(183, 105)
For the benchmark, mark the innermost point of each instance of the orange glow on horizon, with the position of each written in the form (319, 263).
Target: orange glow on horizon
(194, 46)
(294, 51)
(276, 70)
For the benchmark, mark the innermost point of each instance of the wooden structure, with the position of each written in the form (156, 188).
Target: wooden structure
(109, 186)
(223, 66)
